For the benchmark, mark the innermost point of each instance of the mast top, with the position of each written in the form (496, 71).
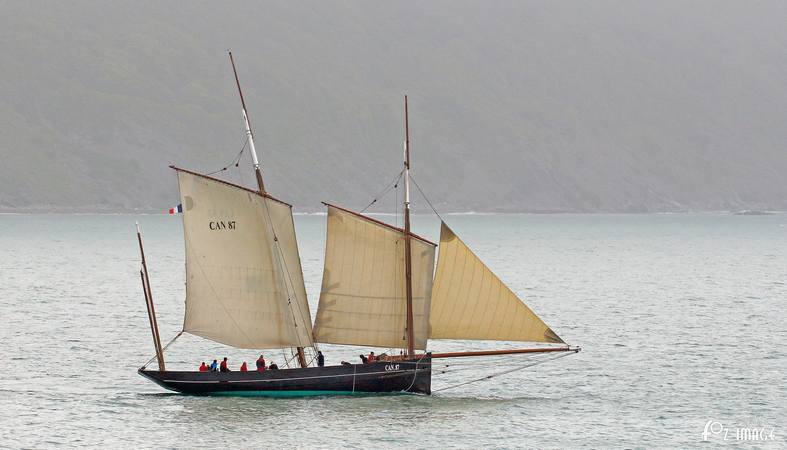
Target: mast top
(237, 83)
(249, 133)
(406, 135)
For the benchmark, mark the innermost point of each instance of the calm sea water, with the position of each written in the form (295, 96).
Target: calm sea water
(681, 318)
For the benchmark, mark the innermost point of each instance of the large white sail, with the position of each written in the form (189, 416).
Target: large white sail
(363, 297)
(470, 302)
(243, 288)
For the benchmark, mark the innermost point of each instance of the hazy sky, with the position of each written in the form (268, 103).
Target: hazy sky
(515, 106)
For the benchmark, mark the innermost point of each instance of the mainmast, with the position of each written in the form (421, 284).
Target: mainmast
(257, 171)
(407, 256)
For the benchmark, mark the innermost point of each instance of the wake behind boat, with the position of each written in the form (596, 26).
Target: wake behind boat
(380, 288)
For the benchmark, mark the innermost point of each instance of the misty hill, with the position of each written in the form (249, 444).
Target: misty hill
(515, 106)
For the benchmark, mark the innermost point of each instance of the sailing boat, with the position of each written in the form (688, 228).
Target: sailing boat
(245, 289)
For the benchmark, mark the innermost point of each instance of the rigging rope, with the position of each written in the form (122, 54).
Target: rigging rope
(163, 349)
(504, 372)
(415, 373)
(426, 198)
(393, 184)
(240, 171)
(235, 161)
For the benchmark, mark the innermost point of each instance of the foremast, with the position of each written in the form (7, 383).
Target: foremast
(257, 170)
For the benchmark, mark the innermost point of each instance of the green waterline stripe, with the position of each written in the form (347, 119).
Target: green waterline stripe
(289, 394)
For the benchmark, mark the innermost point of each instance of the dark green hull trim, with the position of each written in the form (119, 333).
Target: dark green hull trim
(293, 394)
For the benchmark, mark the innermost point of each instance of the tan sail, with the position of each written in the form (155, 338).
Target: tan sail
(241, 290)
(283, 224)
(363, 299)
(470, 302)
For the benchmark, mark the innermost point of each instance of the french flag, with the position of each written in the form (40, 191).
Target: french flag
(176, 210)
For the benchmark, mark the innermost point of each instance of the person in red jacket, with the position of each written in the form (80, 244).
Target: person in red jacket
(261, 364)
(223, 366)
(203, 367)
(243, 367)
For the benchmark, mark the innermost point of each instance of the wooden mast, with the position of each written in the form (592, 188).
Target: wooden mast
(407, 256)
(255, 161)
(149, 303)
(258, 171)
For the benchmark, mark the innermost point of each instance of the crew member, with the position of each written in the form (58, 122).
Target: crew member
(320, 359)
(223, 367)
(203, 367)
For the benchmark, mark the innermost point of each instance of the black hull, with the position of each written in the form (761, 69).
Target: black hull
(412, 375)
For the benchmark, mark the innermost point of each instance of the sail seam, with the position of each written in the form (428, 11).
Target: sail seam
(216, 295)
